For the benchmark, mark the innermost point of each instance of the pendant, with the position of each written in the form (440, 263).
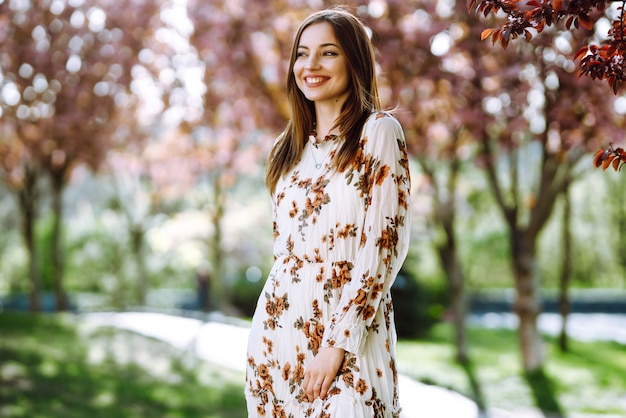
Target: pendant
(318, 166)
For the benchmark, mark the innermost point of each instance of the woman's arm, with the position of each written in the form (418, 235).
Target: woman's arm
(385, 184)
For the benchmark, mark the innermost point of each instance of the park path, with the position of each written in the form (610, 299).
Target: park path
(580, 326)
(222, 340)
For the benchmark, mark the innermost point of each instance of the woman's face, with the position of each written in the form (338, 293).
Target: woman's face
(320, 69)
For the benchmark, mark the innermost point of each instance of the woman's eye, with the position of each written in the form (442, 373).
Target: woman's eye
(300, 54)
(330, 53)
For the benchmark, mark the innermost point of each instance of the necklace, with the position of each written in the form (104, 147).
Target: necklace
(318, 164)
(315, 144)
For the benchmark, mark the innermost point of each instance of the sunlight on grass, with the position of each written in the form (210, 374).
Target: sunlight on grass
(430, 363)
(588, 379)
(592, 372)
(49, 369)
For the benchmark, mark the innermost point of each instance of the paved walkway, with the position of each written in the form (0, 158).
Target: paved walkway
(580, 326)
(225, 344)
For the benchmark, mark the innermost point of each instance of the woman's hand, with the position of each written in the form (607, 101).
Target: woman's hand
(321, 372)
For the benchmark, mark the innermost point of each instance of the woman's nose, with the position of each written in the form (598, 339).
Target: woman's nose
(312, 62)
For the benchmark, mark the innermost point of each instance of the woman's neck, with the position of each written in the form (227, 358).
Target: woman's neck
(325, 118)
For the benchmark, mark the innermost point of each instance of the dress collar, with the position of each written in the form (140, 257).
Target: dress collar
(313, 137)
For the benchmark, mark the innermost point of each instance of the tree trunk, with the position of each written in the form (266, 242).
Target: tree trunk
(456, 289)
(217, 287)
(62, 303)
(28, 199)
(137, 234)
(566, 268)
(527, 304)
(618, 205)
(445, 214)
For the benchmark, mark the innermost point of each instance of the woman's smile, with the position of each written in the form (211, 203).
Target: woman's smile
(315, 81)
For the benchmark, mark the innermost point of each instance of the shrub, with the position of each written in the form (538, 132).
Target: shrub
(417, 307)
(245, 294)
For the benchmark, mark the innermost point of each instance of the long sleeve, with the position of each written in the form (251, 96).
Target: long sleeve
(384, 182)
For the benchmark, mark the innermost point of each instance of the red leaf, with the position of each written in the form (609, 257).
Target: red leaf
(585, 22)
(540, 27)
(557, 5)
(607, 162)
(497, 36)
(599, 157)
(486, 34)
(581, 52)
(616, 164)
(528, 35)
(505, 43)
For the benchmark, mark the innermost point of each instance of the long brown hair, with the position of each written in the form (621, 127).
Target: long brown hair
(362, 100)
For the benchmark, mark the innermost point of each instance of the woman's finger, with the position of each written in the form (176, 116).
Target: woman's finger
(309, 386)
(317, 388)
(325, 386)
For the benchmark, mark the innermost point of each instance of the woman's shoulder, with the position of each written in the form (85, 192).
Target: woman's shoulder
(381, 125)
(382, 120)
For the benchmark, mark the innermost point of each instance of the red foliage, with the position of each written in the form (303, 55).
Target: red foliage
(605, 62)
(610, 157)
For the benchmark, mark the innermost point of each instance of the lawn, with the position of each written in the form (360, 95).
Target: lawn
(54, 366)
(589, 380)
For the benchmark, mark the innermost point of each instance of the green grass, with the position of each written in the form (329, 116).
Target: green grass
(589, 379)
(53, 366)
(50, 367)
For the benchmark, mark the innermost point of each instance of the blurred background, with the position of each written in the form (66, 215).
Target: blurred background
(133, 139)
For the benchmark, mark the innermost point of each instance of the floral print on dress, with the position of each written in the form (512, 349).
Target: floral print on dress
(340, 239)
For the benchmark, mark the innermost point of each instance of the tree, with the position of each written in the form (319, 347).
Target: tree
(153, 163)
(244, 105)
(597, 62)
(18, 171)
(147, 183)
(67, 65)
(515, 107)
(425, 95)
(566, 266)
(564, 140)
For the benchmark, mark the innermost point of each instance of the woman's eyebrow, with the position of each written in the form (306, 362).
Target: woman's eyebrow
(322, 45)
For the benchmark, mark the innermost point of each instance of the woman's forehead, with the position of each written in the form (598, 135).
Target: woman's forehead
(318, 34)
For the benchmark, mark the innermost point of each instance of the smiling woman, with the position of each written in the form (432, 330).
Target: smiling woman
(322, 342)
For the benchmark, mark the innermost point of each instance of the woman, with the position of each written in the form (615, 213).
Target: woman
(322, 342)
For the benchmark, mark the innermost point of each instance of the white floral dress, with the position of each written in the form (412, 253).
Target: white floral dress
(340, 238)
